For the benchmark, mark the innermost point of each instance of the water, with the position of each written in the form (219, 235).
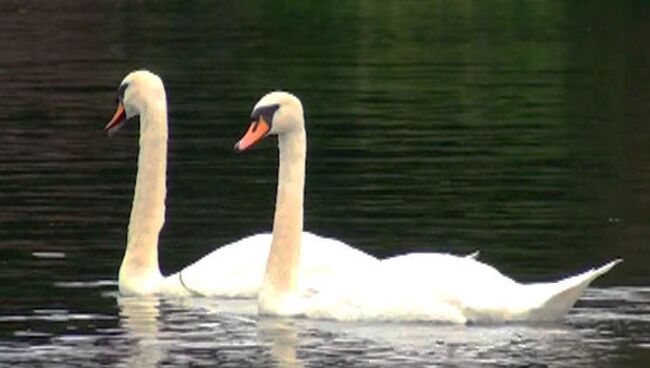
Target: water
(513, 128)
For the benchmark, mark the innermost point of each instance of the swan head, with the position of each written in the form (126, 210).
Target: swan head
(276, 113)
(137, 92)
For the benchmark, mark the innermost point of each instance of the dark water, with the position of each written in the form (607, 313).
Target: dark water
(517, 128)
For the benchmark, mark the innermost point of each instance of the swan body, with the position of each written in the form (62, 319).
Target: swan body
(472, 291)
(234, 270)
(439, 288)
(417, 286)
(242, 263)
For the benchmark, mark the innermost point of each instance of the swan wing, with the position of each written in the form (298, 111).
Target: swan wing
(323, 260)
(236, 270)
(479, 292)
(443, 288)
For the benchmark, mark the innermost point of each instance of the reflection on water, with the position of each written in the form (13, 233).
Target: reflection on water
(283, 338)
(140, 320)
(518, 130)
(152, 332)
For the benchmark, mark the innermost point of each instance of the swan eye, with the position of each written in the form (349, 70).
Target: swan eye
(265, 112)
(120, 91)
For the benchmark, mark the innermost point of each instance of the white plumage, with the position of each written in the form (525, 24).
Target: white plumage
(432, 287)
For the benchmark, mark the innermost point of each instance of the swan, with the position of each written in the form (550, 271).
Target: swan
(417, 286)
(233, 270)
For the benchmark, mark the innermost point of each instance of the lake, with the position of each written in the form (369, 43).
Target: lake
(515, 128)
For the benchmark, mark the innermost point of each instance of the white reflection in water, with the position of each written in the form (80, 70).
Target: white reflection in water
(139, 317)
(283, 337)
(229, 332)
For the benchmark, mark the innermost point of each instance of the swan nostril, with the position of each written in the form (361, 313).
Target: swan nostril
(254, 125)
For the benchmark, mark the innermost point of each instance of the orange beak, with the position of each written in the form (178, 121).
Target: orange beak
(117, 121)
(256, 132)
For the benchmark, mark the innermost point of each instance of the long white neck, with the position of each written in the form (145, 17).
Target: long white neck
(139, 272)
(282, 266)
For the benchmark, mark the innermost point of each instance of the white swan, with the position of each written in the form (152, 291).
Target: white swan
(234, 270)
(436, 287)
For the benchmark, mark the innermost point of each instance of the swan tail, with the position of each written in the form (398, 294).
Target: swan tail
(555, 299)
